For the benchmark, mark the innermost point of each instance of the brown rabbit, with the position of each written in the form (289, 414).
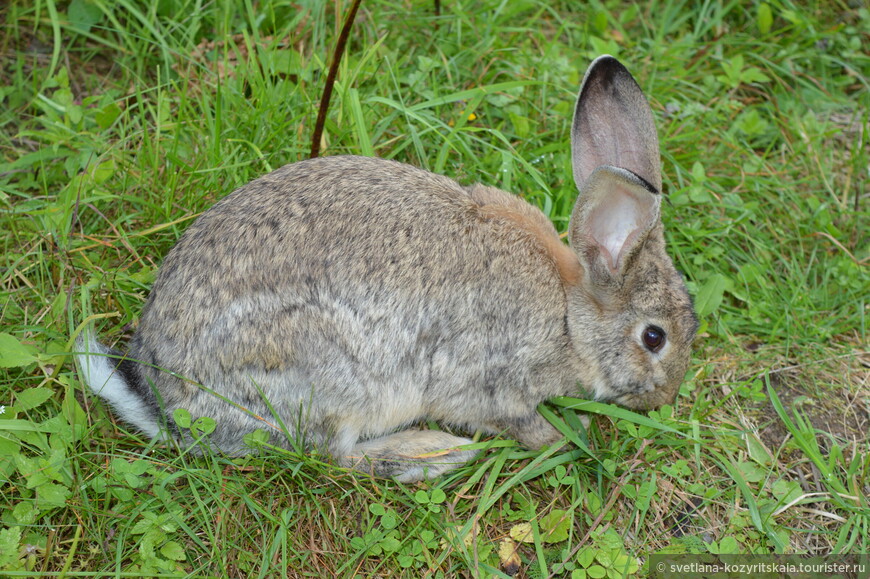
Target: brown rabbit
(342, 300)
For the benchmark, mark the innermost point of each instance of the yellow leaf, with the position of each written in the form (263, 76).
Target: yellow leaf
(522, 533)
(509, 557)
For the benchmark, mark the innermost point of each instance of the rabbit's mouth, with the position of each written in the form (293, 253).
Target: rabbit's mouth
(646, 398)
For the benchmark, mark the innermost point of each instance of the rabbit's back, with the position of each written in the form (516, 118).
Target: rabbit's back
(365, 294)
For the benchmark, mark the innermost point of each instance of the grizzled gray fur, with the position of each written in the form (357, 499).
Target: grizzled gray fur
(350, 298)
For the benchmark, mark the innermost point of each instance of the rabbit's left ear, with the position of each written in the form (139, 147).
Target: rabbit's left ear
(612, 218)
(615, 153)
(613, 125)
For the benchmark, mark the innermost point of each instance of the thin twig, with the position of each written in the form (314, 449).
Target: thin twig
(330, 78)
(842, 247)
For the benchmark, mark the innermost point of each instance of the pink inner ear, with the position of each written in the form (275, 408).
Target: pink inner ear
(617, 220)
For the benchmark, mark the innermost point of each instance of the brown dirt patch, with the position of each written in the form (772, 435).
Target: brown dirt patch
(835, 409)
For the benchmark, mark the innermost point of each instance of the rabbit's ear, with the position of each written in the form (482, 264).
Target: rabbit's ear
(614, 214)
(613, 125)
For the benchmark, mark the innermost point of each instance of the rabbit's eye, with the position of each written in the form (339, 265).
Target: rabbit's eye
(653, 338)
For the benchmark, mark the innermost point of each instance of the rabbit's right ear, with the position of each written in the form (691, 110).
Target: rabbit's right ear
(613, 125)
(615, 153)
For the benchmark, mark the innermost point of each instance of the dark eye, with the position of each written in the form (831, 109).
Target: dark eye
(653, 338)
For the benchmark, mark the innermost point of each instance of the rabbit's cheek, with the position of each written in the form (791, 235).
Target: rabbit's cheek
(610, 385)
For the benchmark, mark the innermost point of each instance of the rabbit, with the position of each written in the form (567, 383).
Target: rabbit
(343, 300)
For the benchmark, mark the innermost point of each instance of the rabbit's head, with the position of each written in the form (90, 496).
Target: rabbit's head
(630, 317)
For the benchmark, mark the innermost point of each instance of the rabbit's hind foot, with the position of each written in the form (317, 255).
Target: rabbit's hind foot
(409, 455)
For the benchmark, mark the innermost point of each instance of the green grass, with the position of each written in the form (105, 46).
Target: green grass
(121, 121)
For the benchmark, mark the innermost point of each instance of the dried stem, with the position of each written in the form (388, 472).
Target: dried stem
(330, 78)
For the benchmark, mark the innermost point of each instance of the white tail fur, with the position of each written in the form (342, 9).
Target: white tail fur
(98, 368)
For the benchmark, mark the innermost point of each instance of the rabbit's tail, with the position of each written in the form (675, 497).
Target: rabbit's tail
(116, 380)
